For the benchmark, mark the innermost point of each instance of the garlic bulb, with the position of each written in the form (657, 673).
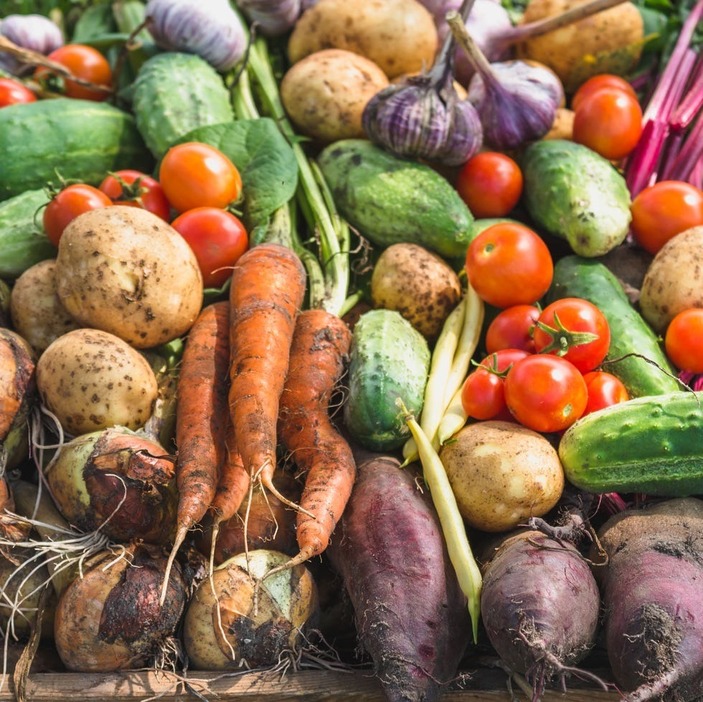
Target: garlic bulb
(271, 17)
(33, 32)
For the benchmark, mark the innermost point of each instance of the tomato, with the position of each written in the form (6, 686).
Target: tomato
(136, 189)
(199, 175)
(604, 389)
(509, 264)
(500, 361)
(217, 238)
(12, 92)
(559, 326)
(512, 328)
(545, 393)
(67, 204)
(482, 395)
(83, 62)
(595, 83)
(663, 210)
(610, 122)
(490, 183)
(683, 340)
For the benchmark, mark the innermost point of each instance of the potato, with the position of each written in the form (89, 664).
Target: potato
(563, 126)
(36, 311)
(674, 280)
(325, 93)
(400, 36)
(91, 380)
(418, 284)
(609, 41)
(126, 271)
(502, 473)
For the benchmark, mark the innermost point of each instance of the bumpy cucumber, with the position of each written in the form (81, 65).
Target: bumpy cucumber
(635, 355)
(390, 199)
(649, 444)
(573, 193)
(44, 141)
(175, 93)
(389, 359)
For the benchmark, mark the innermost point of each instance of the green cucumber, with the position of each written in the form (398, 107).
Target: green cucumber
(649, 444)
(46, 141)
(22, 239)
(635, 355)
(175, 93)
(573, 193)
(389, 359)
(391, 199)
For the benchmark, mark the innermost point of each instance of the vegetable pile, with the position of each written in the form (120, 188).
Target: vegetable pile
(353, 335)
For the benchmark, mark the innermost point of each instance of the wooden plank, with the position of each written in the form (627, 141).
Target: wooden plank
(269, 686)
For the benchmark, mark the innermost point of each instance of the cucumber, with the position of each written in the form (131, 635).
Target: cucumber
(391, 200)
(45, 141)
(575, 194)
(389, 359)
(635, 355)
(648, 444)
(175, 93)
(22, 239)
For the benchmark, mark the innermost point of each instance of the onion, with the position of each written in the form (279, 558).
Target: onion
(33, 32)
(272, 17)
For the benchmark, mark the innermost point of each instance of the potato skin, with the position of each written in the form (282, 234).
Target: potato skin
(417, 283)
(92, 380)
(126, 271)
(400, 36)
(502, 473)
(325, 93)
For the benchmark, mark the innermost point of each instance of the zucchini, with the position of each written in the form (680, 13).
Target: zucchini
(389, 359)
(635, 355)
(175, 93)
(390, 199)
(650, 445)
(47, 141)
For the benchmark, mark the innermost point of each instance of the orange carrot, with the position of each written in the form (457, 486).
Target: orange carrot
(317, 362)
(266, 295)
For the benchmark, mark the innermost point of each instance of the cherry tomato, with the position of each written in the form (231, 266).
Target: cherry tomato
(217, 238)
(12, 92)
(545, 393)
(500, 361)
(610, 122)
(67, 204)
(683, 340)
(199, 175)
(559, 326)
(482, 394)
(83, 62)
(136, 189)
(490, 183)
(509, 264)
(663, 210)
(512, 328)
(604, 389)
(595, 83)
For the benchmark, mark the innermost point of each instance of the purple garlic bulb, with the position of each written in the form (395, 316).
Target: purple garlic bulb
(271, 17)
(33, 32)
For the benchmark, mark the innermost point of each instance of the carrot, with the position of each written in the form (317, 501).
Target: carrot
(201, 419)
(266, 295)
(318, 355)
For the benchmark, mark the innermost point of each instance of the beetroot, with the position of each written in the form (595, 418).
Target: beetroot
(411, 617)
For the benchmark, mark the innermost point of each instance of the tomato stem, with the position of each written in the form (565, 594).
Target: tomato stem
(563, 339)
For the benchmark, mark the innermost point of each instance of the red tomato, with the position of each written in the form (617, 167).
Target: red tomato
(83, 62)
(512, 328)
(683, 340)
(559, 326)
(490, 183)
(217, 238)
(199, 175)
(136, 189)
(509, 264)
(67, 204)
(604, 389)
(664, 210)
(595, 83)
(610, 122)
(482, 395)
(545, 393)
(12, 92)
(500, 361)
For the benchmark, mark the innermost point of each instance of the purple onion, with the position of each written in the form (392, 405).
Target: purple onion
(33, 32)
